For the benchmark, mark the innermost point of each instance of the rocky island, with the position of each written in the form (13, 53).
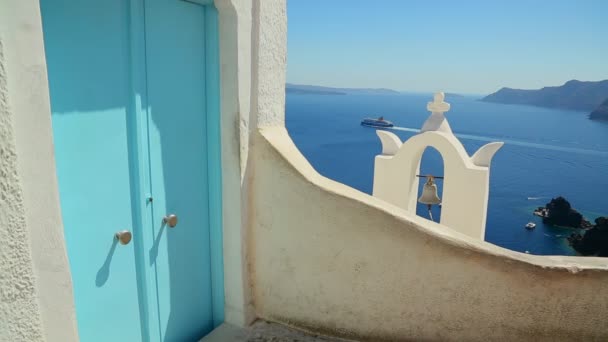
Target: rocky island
(601, 112)
(559, 212)
(572, 95)
(594, 242)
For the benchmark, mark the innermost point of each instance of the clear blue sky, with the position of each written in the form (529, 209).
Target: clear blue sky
(461, 46)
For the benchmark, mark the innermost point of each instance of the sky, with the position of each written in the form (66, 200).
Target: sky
(464, 46)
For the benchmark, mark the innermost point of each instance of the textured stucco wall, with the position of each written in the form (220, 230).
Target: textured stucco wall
(329, 258)
(253, 45)
(35, 286)
(19, 310)
(269, 62)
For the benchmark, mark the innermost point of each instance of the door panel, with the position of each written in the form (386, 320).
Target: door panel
(87, 50)
(175, 50)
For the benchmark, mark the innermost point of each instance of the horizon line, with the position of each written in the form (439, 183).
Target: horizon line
(391, 89)
(432, 92)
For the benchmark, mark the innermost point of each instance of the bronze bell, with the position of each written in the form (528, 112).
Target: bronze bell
(429, 192)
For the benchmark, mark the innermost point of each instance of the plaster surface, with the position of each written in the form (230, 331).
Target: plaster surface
(269, 62)
(19, 309)
(35, 285)
(332, 259)
(253, 43)
(235, 30)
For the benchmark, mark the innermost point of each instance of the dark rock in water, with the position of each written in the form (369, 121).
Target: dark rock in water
(575, 95)
(601, 112)
(595, 240)
(559, 212)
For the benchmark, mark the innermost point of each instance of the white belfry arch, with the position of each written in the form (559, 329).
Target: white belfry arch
(466, 183)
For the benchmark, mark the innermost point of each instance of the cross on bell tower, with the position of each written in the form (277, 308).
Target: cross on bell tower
(437, 120)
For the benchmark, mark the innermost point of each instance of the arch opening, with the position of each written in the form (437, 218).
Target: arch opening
(431, 163)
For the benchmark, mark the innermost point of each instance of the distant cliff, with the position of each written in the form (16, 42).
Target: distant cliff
(601, 112)
(453, 95)
(319, 90)
(574, 95)
(300, 91)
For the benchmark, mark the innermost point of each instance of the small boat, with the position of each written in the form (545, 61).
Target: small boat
(530, 225)
(379, 122)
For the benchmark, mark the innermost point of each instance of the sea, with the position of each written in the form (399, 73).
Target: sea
(547, 153)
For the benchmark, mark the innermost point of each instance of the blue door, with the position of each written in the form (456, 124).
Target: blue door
(136, 130)
(175, 36)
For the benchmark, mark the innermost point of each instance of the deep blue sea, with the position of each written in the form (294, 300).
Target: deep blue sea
(547, 153)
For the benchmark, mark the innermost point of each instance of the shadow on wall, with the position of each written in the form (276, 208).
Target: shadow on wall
(104, 271)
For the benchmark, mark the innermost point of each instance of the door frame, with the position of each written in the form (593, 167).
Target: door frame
(214, 160)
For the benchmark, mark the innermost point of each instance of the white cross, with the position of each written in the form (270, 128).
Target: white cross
(438, 106)
(437, 120)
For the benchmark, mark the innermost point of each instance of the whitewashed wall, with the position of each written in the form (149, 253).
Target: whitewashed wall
(328, 258)
(35, 286)
(235, 20)
(253, 45)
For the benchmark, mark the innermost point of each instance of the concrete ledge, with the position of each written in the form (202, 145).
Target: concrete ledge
(226, 333)
(262, 331)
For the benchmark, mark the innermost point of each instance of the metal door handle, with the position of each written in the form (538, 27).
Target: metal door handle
(170, 220)
(123, 236)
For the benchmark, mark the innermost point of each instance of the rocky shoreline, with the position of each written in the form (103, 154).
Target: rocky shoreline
(594, 242)
(591, 241)
(601, 112)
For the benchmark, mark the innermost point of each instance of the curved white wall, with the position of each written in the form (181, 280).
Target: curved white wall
(329, 258)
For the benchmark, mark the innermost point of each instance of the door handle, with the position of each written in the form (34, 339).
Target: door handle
(170, 220)
(123, 236)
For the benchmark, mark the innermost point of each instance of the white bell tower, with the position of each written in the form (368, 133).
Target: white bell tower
(466, 179)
